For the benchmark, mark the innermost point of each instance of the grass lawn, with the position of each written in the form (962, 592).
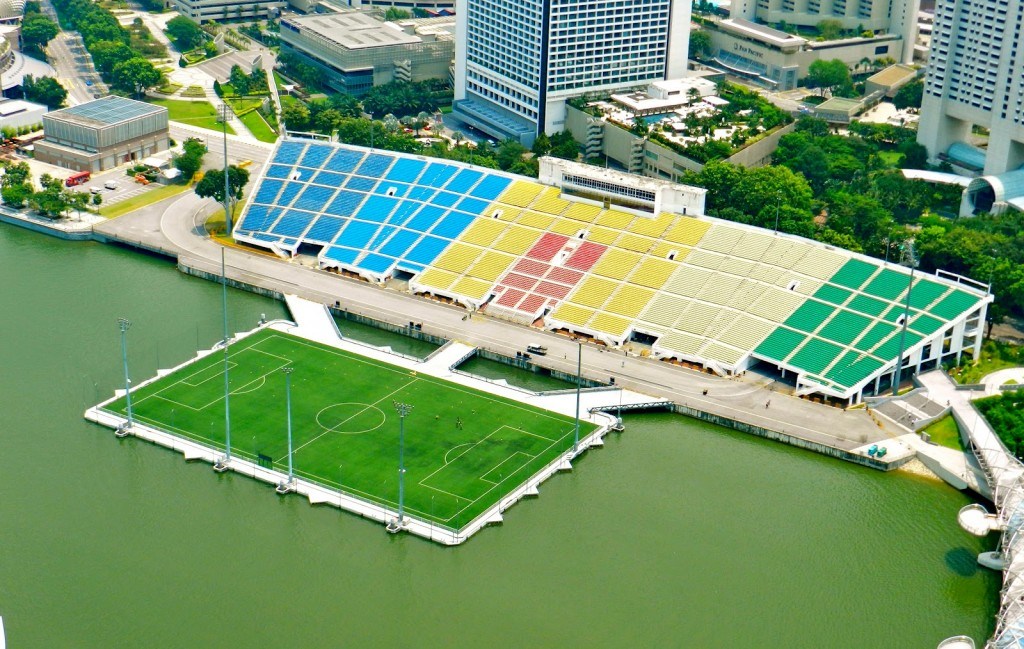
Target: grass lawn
(242, 104)
(890, 158)
(995, 356)
(141, 200)
(945, 432)
(195, 113)
(259, 127)
(464, 449)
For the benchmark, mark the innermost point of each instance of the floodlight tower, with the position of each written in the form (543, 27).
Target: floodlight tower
(222, 464)
(123, 324)
(285, 487)
(227, 194)
(906, 258)
(579, 378)
(403, 411)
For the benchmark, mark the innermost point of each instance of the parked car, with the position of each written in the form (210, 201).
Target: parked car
(110, 184)
(95, 189)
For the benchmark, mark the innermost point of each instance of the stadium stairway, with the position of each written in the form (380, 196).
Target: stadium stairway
(312, 319)
(441, 362)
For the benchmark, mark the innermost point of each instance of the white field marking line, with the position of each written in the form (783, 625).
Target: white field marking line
(546, 439)
(470, 504)
(241, 391)
(440, 383)
(182, 380)
(334, 429)
(231, 366)
(515, 453)
(254, 348)
(177, 403)
(446, 460)
(368, 406)
(445, 465)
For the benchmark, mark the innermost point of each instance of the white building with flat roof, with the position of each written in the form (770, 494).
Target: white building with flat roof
(976, 78)
(218, 10)
(897, 17)
(15, 113)
(518, 61)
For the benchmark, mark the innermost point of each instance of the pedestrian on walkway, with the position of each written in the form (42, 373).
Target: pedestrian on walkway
(767, 403)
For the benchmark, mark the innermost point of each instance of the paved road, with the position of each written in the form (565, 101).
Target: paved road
(175, 226)
(74, 67)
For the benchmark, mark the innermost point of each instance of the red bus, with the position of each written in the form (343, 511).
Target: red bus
(77, 178)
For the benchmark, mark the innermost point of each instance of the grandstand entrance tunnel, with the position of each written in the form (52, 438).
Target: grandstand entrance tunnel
(311, 249)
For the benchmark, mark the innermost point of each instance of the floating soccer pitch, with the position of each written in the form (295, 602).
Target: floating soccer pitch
(465, 450)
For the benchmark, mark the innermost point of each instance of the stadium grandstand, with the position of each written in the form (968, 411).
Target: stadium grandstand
(616, 258)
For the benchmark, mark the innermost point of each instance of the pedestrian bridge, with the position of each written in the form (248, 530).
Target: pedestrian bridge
(1005, 476)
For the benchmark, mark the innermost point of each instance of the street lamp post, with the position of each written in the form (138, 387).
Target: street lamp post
(222, 464)
(403, 410)
(123, 324)
(778, 203)
(290, 484)
(227, 194)
(579, 378)
(912, 261)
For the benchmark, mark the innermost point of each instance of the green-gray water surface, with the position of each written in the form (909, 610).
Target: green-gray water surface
(675, 534)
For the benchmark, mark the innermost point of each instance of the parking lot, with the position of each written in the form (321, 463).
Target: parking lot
(126, 187)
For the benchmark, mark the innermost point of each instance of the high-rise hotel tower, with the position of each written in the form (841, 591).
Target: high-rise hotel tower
(517, 61)
(976, 78)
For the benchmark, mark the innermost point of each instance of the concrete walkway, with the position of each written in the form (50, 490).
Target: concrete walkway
(996, 379)
(999, 463)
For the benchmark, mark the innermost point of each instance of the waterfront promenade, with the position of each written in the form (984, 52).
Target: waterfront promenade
(174, 228)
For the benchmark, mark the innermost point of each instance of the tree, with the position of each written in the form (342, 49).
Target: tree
(909, 96)
(295, 116)
(16, 194)
(509, 153)
(186, 33)
(36, 31)
(392, 14)
(541, 145)
(700, 43)
(915, 156)
(564, 146)
(46, 90)
(52, 200)
(107, 54)
(239, 80)
(135, 75)
(828, 75)
(190, 160)
(97, 200)
(830, 29)
(212, 184)
(16, 174)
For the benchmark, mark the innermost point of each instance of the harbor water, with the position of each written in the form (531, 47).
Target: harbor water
(676, 533)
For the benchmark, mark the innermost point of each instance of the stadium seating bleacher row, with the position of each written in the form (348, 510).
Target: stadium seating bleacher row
(704, 290)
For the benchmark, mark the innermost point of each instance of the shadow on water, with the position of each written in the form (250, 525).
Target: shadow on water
(963, 561)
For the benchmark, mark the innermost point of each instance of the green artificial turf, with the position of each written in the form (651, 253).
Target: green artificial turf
(464, 449)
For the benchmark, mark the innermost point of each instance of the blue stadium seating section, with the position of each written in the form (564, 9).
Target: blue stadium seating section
(373, 212)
